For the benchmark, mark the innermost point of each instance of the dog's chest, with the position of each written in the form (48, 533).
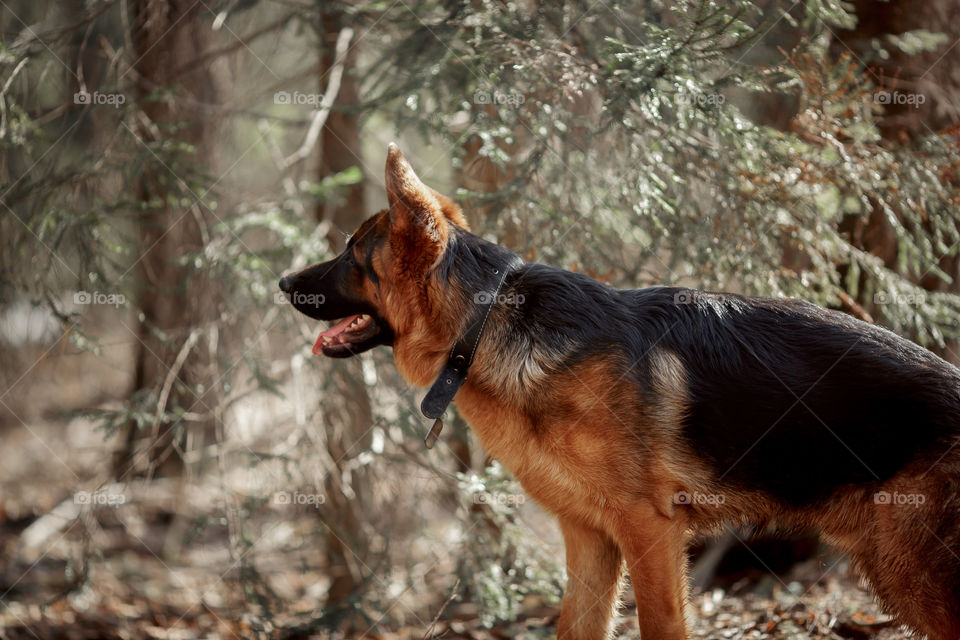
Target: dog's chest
(564, 482)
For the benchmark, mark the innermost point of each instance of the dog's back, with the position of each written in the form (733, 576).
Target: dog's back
(778, 388)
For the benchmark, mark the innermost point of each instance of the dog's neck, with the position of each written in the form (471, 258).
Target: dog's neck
(454, 372)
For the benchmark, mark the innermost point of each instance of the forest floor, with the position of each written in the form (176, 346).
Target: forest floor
(111, 574)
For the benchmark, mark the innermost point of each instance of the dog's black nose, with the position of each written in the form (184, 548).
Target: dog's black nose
(286, 283)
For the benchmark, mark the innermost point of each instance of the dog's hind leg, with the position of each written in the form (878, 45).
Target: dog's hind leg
(912, 556)
(915, 589)
(594, 569)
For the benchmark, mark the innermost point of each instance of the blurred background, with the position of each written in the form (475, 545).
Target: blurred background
(173, 461)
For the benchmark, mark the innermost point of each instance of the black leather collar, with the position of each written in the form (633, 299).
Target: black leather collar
(454, 373)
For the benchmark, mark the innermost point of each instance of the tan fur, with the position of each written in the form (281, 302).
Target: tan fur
(595, 568)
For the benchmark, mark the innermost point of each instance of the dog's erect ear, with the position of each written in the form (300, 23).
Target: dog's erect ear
(418, 226)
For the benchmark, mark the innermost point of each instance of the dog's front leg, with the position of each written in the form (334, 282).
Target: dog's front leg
(654, 548)
(594, 568)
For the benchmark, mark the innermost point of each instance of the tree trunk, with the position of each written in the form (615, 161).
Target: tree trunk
(346, 405)
(175, 300)
(340, 140)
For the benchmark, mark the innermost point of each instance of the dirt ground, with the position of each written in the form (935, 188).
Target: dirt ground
(133, 585)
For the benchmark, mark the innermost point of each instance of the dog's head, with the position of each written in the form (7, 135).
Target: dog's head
(385, 289)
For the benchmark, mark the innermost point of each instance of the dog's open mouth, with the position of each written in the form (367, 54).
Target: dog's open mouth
(340, 339)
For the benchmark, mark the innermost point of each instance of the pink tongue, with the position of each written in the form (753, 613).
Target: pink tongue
(339, 327)
(332, 332)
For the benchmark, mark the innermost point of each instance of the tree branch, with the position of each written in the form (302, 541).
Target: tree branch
(326, 103)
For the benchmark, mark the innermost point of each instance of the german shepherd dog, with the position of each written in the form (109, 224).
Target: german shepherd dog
(639, 417)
